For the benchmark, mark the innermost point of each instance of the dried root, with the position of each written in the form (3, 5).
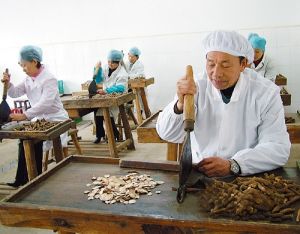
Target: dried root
(39, 125)
(268, 197)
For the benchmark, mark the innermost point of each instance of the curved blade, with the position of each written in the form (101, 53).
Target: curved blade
(92, 88)
(185, 167)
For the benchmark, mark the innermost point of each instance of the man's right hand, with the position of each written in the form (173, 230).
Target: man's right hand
(6, 77)
(184, 87)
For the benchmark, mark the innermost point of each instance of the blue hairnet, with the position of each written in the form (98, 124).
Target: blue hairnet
(257, 42)
(135, 51)
(29, 53)
(115, 55)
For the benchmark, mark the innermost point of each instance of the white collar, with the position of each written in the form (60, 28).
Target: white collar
(238, 89)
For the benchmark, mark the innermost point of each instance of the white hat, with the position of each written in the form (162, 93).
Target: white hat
(229, 42)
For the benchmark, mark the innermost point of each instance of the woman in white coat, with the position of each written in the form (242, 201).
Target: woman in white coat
(115, 80)
(134, 66)
(262, 63)
(239, 125)
(40, 86)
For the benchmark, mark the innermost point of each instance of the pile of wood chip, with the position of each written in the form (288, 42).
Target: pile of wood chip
(255, 198)
(39, 125)
(108, 95)
(80, 97)
(124, 189)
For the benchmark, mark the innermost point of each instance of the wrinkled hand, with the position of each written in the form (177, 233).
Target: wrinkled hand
(6, 77)
(214, 166)
(101, 92)
(17, 117)
(184, 87)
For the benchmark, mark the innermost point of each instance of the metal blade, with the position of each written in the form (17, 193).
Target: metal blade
(185, 167)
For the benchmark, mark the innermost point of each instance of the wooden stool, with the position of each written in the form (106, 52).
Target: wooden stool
(174, 151)
(138, 86)
(73, 133)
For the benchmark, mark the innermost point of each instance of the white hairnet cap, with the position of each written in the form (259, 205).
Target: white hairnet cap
(229, 42)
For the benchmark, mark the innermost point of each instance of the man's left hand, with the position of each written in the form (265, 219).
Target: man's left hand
(17, 117)
(214, 166)
(101, 92)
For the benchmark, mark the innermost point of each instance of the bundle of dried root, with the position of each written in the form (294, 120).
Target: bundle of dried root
(124, 189)
(39, 125)
(269, 197)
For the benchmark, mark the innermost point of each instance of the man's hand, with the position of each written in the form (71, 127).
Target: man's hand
(184, 87)
(17, 117)
(214, 166)
(6, 77)
(101, 92)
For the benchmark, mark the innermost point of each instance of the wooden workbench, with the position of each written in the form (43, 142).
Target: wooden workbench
(147, 134)
(29, 137)
(76, 107)
(294, 128)
(138, 86)
(43, 203)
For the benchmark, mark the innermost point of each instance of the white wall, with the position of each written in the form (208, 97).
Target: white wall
(75, 34)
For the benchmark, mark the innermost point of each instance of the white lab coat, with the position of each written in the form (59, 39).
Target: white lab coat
(118, 77)
(249, 129)
(266, 68)
(42, 93)
(136, 70)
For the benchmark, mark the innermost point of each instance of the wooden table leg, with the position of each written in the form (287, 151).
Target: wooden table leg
(126, 126)
(57, 148)
(130, 113)
(179, 151)
(145, 103)
(76, 143)
(30, 159)
(172, 151)
(138, 106)
(110, 134)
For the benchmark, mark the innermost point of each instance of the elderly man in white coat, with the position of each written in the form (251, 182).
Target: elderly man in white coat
(115, 80)
(239, 125)
(262, 63)
(134, 66)
(40, 86)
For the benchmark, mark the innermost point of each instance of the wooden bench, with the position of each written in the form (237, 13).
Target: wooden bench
(147, 134)
(138, 86)
(77, 107)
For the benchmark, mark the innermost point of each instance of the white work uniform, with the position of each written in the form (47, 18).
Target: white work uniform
(42, 93)
(135, 70)
(118, 77)
(250, 128)
(266, 68)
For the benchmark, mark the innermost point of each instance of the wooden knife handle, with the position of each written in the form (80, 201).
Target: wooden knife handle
(5, 85)
(188, 106)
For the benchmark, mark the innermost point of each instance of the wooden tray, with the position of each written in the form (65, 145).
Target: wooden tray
(294, 128)
(49, 134)
(147, 133)
(55, 200)
(286, 98)
(140, 83)
(280, 80)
